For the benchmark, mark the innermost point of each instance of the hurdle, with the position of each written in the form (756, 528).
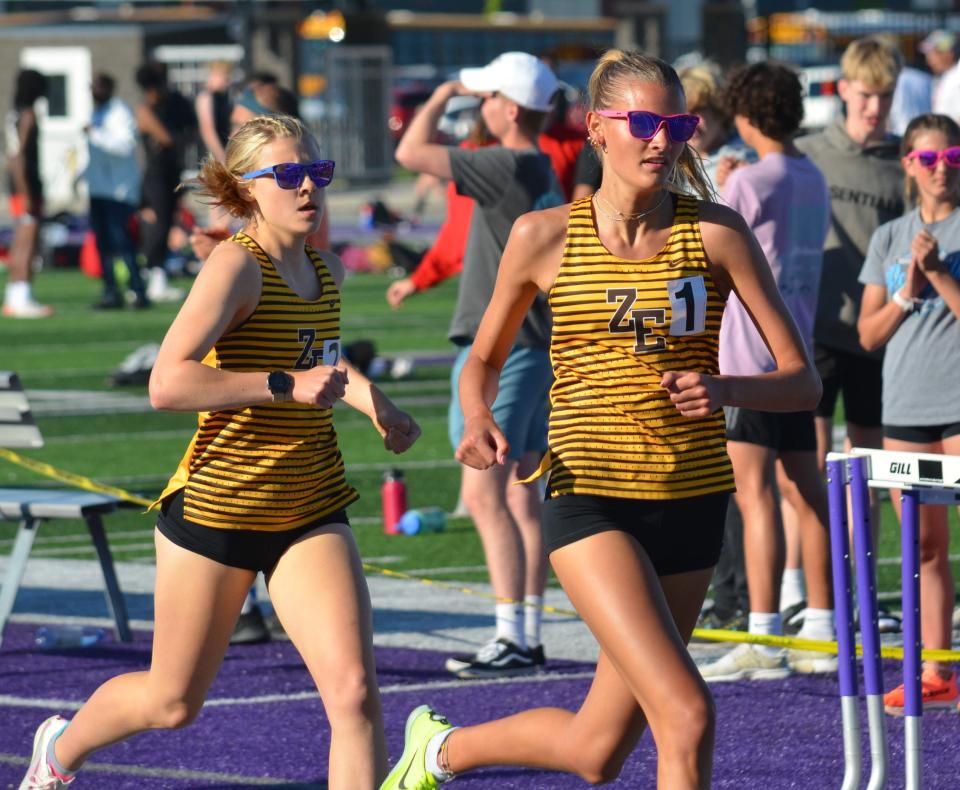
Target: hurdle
(922, 478)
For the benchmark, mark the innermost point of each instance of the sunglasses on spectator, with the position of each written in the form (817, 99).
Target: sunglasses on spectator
(290, 175)
(644, 125)
(929, 159)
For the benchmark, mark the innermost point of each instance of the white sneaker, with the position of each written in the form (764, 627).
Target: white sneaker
(40, 774)
(28, 309)
(160, 290)
(810, 662)
(746, 662)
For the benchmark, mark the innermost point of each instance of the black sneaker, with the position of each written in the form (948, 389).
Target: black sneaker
(108, 301)
(250, 629)
(500, 658)
(538, 657)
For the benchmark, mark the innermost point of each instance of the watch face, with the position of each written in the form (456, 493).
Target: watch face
(278, 382)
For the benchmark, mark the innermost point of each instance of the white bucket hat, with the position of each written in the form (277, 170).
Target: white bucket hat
(519, 76)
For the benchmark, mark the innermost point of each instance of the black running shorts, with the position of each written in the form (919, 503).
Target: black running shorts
(921, 434)
(859, 378)
(678, 535)
(793, 431)
(250, 549)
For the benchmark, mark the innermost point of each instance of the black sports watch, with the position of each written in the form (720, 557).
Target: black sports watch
(280, 384)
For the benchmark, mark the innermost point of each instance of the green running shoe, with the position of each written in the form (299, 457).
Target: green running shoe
(410, 772)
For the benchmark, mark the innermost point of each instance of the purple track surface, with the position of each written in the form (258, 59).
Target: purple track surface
(775, 734)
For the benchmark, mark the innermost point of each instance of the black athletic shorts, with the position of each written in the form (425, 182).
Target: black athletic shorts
(921, 434)
(859, 378)
(250, 549)
(791, 431)
(679, 535)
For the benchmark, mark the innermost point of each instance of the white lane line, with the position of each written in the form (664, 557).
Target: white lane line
(11, 701)
(166, 773)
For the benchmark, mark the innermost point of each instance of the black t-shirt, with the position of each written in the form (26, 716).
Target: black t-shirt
(179, 119)
(588, 168)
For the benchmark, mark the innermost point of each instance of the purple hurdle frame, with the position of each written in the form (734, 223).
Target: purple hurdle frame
(869, 621)
(912, 666)
(854, 470)
(843, 606)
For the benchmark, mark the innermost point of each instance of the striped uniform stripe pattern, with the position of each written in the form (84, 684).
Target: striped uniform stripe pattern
(273, 466)
(618, 326)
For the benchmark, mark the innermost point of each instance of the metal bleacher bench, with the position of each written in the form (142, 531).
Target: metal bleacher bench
(33, 506)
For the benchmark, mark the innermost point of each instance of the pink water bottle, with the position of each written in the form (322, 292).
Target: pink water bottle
(393, 496)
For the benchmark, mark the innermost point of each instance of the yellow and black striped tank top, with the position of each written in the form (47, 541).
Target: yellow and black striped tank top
(618, 326)
(273, 466)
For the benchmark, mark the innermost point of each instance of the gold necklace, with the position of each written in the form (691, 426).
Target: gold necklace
(619, 216)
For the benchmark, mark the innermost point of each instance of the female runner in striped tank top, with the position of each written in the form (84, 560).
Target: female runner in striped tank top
(637, 277)
(254, 349)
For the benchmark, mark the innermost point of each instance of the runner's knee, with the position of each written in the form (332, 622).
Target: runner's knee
(173, 714)
(350, 696)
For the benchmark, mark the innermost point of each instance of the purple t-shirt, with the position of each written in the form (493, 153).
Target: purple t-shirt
(785, 202)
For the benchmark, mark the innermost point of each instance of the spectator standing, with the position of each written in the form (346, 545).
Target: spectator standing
(505, 181)
(911, 305)
(940, 49)
(212, 107)
(444, 259)
(26, 195)
(166, 121)
(861, 162)
(113, 182)
(784, 200)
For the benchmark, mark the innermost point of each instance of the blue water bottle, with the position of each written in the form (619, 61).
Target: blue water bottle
(423, 520)
(59, 636)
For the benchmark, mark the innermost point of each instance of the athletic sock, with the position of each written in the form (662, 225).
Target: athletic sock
(17, 294)
(510, 623)
(767, 623)
(53, 762)
(249, 602)
(792, 588)
(431, 753)
(532, 617)
(818, 624)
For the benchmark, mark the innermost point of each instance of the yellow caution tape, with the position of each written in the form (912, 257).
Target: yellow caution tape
(814, 645)
(709, 634)
(69, 477)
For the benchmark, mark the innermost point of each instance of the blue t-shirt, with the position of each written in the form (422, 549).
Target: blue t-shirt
(921, 366)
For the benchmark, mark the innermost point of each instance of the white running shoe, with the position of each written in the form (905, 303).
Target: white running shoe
(810, 662)
(40, 774)
(746, 662)
(28, 309)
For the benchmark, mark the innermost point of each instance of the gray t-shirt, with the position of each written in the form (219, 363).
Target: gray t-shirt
(921, 367)
(505, 183)
(866, 190)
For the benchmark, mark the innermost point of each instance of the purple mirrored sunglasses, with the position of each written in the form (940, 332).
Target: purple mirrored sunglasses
(290, 175)
(644, 125)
